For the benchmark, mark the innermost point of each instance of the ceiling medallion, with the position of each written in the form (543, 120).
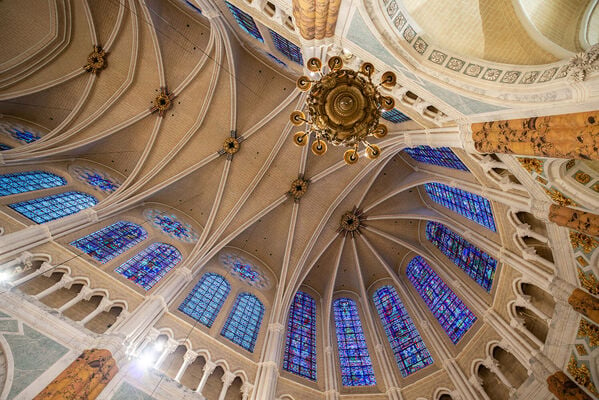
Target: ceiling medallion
(162, 102)
(298, 188)
(344, 108)
(351, 222)
(231, 145)
(96, 60)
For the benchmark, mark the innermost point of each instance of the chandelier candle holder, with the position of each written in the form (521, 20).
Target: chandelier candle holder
(344, 107)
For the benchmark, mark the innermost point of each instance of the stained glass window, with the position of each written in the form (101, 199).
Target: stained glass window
(243, 323)
(109, 242)
(24, 136)
(49, 208)
(356, 367)
(410, 351)
(28, 181)
(148, 266)
(300, 347)
(245, 21)
(245, 271)
(4, 147)
(95, 179)
(290, 50)
(171, 225)
(470, 205)
(450, 311)
(277, 60)
(206, 298)
(476, 263)
(395, 116)
(441, 156)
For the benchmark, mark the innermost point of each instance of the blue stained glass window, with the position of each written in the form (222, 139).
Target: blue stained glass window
(206, 298)
(410, 351)
(24, 136)
(243, 323)
(277, 60)
(96, 180)
(291, 51)
(109, 242)
(171, 226)
(395, 116)
(476, 263)
(453, 315)
(4, 147)
(356, 367)
(470, 205)
(245, 21)
(300, 347)
(148, 266)
(441, 156)
(49, 208)
(28, 181)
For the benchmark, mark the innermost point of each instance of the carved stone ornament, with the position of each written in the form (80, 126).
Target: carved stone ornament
(532, 164)
(582, 64)
(231, 145)
(351, 222)
(589, 282)
(96, 61)
(559, 198)
(591, 331)
(586, 242)
(299, 187)
(582, 375)
(163, 102)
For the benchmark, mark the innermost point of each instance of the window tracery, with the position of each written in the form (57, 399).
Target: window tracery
(28, 181)
(472, 206)
(23, 136)
(207, 297)
(171, 225)
(453, 315)
(245, 21)
(408, 347)
(476, 263)
(300, 347)
(95, 179)
(354, 359)
(109, 242)
(49, 208)
(245, 271)
(244, 321)
(441, 156)
(148, 266)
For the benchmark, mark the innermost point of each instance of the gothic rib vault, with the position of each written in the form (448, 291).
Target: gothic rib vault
(184, 114)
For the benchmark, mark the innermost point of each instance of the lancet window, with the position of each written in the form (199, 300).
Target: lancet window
(49, 208)
(300, 347)
(243, 323)
(207, 297)
(109, 242)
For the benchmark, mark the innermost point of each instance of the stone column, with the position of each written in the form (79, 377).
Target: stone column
(268, 370)
(188, 358)
(246, 390)
(169, 348)
(85, 291)
(476, 383)
(559, 136)
(45, 267)
(103, 306)
(330, 381)
(85, 378)
(580, 221)
(64, 281)
(208, 370)
(22, 261)
(492, 366)
(460, 381)
(227, 379)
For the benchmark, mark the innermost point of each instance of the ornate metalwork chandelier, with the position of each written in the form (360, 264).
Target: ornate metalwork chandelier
(344, 108)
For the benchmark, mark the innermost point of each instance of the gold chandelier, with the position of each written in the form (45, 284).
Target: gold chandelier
(344, 108)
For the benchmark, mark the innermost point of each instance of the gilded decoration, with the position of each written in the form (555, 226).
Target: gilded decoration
(580, 221)
(582, 375)
(590, 331)
(588, 281)
(316, 19)
(351, 222)
(96, 61)
(581, 350)
(85, 378)
(299, 187)
(582, 177)
(570, 164)
(532, 164)
(595, 187)
(231, 145)
(564, 388)
(162, 102)
(562, 136)
(586, 242)
(559, 198)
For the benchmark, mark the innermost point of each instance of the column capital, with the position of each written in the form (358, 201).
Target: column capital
(228, 378)
(209, 367)
(190, 356)
(276, 327)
